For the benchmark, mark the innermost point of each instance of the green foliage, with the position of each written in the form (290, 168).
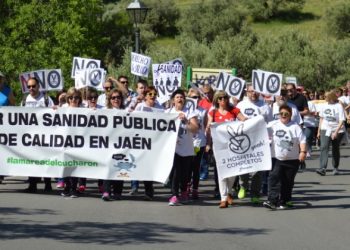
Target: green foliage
(265, 9)
(337, 19)
(163, 17)
(207, 20)
(48, 34)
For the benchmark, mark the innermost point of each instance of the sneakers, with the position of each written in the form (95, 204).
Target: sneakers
(106, 197)
(48, 188)
(335, 171)
(71, 195)
(321, 172)
(255, 200)
(147, 197)
(270, 205)
(74, 194)
(60, 185)
(31, 189)
(81, 188)
(184, 197)
(223, 204)
(195, 195)
(174, 201)
(134, 191)
(229, 199)
(286, 205)
(241, 193)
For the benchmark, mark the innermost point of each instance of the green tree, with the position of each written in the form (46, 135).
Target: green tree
(265, 9)
(205, 21)
(48, 34)
(337, 19)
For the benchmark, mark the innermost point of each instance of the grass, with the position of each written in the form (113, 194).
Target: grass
(308, 21)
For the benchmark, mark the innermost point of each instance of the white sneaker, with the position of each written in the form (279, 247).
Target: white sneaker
(335, 172)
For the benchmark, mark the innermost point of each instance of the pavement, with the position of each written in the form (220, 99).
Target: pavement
(320, 221)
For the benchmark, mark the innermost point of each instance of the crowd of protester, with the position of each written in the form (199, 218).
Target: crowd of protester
(311, 119)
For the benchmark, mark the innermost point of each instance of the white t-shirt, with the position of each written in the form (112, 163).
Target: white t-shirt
(310, 120)
(250, 109)
(285, 140)
(184, 144)
(37, 102)
(142, 106)
(345, 100)
(199, 139)
(101, 100)
(296, 117)
(332, 114)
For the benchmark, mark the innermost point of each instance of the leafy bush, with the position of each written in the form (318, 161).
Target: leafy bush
(337, 19)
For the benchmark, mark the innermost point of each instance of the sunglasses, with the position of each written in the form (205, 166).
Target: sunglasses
(31, 86)
(92, 97)
(223, 98)
(123, 82)
(108, 88)
(118, 97)
(152, 94)
(284, 114)
(74, 97)
(289, 90)
(195, 97)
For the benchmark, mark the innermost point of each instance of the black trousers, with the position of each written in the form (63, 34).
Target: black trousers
(179, 173)
(117, 186)
(281, 180)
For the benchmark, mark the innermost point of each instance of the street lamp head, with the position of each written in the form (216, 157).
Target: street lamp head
(137, 12)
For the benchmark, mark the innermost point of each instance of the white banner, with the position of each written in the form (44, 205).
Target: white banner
(90, 78)
(49, 79)
(99, 144)
(232, 85)
(267, 83)
(140, 64)
(84, 63)
(166, 79)
(241, 147)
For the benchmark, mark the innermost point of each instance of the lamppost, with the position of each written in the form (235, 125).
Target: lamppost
(137, 12)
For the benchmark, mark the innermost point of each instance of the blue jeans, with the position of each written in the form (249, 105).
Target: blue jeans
(309, 134)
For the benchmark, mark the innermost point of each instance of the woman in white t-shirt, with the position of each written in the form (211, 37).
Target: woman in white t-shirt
(184, 147)
(288, 149)
(330, 131)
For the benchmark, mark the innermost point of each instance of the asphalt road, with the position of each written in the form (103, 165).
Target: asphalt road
(321, 219)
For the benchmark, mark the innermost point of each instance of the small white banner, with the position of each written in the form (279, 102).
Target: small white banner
(90, 78)
(49, 79)
(166, 79)
(99, 144)
(291, 79)
(267, 83)
(140, 64)
(241, 147)
(232, 85)
(80, 63)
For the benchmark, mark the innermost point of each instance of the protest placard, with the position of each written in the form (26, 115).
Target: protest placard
(232, 85)
(90, 78)
(267, 83)
(98, 144)
(49, 79)
(80, 63)
(166, 79)
(140, 64)
(241, 147)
